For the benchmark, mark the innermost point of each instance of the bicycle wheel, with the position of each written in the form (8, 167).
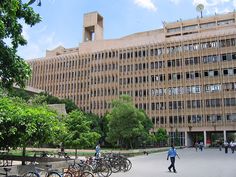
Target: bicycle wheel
(53, 174)
(128, 165)
(86, 167)
(31, 174)
(67, 174)
(115, 166)
(87, 174)
(103, 170)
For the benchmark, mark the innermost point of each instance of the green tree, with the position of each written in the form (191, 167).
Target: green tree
(22, 125)
(50, 99)
(161, 136)
(70, 105)
(95, 122)
(38, 125)
(39, 100)
(104, 129)
(42, 98)
(9, 110)
(80, 134)
(176, 138)
(13, 68)
(19, 92)
(128, 126)
(33, 1)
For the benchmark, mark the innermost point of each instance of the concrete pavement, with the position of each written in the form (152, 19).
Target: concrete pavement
(208, 163)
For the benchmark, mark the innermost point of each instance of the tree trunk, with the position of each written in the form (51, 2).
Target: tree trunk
(23, 155)
(131, 144)
(76, 153)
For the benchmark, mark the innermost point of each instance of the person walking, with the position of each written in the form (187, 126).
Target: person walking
(97, 150)
(172, 153)
(226, 145)
(232, 146)
(196, 145)
(220, 145)
(201, 145)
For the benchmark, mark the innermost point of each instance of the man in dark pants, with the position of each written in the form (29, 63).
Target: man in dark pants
(226, 145)
(172, 153)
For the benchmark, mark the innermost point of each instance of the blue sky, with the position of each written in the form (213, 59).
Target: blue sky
(62, 20)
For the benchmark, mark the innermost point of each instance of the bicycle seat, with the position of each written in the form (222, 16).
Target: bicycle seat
(49, 165)
(7, 169)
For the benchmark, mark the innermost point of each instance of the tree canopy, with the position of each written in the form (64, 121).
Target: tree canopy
(161, 136)
(50, 99)
(80, 133)
(128, 126)
(13, 69)
(22, 124)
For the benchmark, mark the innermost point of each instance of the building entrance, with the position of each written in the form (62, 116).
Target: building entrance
(231, 136)
(194, 137)
(214, 139)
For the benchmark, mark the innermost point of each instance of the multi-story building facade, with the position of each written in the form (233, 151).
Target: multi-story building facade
(183, 75)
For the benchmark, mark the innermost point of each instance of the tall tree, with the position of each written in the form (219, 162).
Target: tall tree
(22, 124)
(127, 125)
(13, 69)
(161, 136)
(80, 134)
(19, 92)
(50, 99)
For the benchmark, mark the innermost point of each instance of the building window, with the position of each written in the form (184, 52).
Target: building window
(231, 117)
(230, 101)
(194, 103)
(213, 102)
(229, 72)
(211, 73)
(213, 88)
(229, 86)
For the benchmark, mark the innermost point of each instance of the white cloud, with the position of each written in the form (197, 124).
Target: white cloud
(41, 30)
(49, 41)
(210, 3)
(147, 4)
(215, 6)
(30, 51)
(175, 1)
(196, 2)
(52, 1)
(225, 10)
(36, 48)
(234, 3)
(25, 31)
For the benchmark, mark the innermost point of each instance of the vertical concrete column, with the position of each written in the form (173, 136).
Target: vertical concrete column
(205, 137)
(186, 138)
(225, 136)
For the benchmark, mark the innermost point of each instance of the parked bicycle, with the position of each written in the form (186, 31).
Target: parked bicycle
(46, 172)
(118, 162)
(99, 166)
(7, 170)
(63, 155)
(79, 169)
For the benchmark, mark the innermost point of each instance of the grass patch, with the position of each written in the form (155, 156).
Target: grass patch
(53, 152)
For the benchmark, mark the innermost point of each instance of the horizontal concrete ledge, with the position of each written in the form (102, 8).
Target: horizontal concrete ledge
(54, 150)
(30, 159)
(22, 169)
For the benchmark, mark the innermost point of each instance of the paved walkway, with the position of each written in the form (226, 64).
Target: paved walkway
(208, 163)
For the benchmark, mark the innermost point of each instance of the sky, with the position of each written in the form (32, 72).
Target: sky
(62, 20)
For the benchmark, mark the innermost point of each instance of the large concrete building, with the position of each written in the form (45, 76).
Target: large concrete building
(183, 75)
